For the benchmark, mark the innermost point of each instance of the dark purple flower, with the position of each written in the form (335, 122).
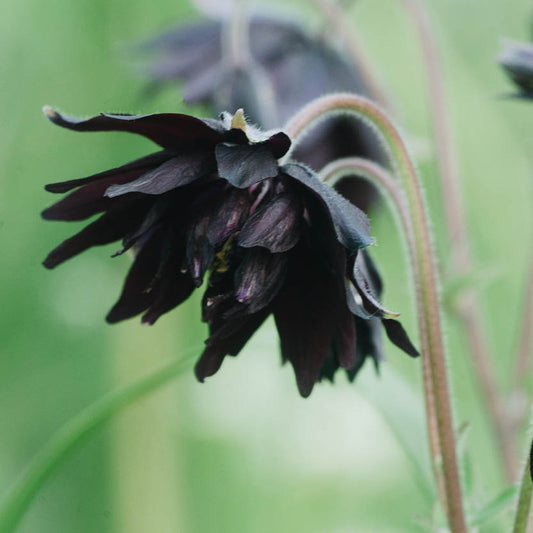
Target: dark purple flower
(215, 203)
(288, 67)
(517, 62)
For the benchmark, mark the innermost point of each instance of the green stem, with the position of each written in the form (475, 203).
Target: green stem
(74, 433)
(468, 307)
(429, 311)
(389, 187)
(524, 501)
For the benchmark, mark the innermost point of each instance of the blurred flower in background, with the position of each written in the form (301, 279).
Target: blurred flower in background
(272, 70)
(274, 240)
(516, 59)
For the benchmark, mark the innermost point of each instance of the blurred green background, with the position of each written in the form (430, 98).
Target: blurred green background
(242, 453)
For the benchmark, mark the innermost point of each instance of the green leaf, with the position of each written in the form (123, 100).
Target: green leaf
(76, 432)
(465, 462)
(494, 507)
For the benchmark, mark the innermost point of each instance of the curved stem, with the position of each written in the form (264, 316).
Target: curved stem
(468, 306)
(429, 312)
(74, 433)
(337, 19)
(523, 506)
(381, 178)
(525, 348)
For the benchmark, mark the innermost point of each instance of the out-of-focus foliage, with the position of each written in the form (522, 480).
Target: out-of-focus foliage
(242, 453)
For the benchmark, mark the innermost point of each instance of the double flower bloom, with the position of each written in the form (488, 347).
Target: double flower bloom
(216, 203)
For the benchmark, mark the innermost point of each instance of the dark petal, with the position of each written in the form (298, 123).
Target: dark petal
(329, 366)
(279, 144)
(307, 313)
(259, 278)
(200, 87)
(230, 214)
(337, 137)
(171, 286)
(364, 283)
(275, 225)
(149, 223)
(172, 290)
(110, 227)
(398, 336)
(176, 172)
(354, 302)
(219, 296)
(369, 343)
(372, 273)
(215, 303)
(219, 346)
(89, 199)
(357, 191)
(199, 251)
(209, 362)
(351, 224)
(244, 165)
(517, 61)
(139, 165)
(169, 130)
(136, 294)
(345, 341)
(189, 36)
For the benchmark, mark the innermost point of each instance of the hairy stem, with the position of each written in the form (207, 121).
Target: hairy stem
(389, 187)
(74, 433)
(523, 506)
(525, 347)
(468, 306)
(428, 312)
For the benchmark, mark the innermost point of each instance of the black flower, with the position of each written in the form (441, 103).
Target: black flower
(215, 202)
(287, 68)
(517, 62)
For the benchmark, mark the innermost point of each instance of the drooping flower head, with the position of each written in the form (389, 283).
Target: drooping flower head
(215, 203)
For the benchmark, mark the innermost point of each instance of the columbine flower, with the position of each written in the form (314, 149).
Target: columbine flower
(271, 239)
(287, 67)
(517, 61)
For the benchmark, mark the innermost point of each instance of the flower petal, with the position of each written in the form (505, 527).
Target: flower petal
(275, 225)
(136, 295)
(110, 227)
(199, 251)
(306, 311)
(351, 224)
(169, 130)
(398, 336)
(345, 341)
(369, 344)
(365, 280)
(176, 172)
(172, 290)
(229, 215)
(279, 144)
(134, 168)
(244, 165)
(218, 347)
(259, 278)
(88, 200)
